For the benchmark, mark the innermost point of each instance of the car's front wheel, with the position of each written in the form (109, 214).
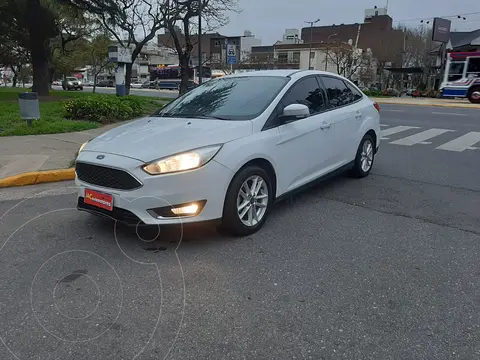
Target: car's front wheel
(247, 202)
(364, 158)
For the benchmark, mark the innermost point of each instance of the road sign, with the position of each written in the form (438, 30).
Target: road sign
(231, 54)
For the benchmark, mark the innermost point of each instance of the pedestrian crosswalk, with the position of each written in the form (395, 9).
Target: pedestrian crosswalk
(440, 139)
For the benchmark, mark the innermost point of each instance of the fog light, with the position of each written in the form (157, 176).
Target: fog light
(178, 210)
(186, 210)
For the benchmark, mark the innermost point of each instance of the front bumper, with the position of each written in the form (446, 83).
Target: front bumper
(208, 183)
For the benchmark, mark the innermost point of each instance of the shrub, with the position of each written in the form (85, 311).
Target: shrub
(373, 93)
(104, 108)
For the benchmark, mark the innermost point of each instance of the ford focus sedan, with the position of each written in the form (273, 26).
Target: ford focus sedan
(228, 149)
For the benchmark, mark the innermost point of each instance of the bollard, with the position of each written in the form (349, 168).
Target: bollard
(29, 106)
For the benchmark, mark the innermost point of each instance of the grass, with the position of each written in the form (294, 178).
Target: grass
(52, 113)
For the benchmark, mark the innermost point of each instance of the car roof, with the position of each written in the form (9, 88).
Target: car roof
(292, 73)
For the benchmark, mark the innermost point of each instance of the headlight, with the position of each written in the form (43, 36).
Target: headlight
(181, 162)
(83, 146)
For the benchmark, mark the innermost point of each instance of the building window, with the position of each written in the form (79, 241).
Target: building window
(216, 58)
(283, 58)
(312, 55)
(296, 57)
(216, 43)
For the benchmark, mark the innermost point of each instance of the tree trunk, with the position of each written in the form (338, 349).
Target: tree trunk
(128, 76)
(184, 60)
(94, 82)
(40, 48)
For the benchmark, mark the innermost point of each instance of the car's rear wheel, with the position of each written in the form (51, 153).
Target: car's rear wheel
(364, 158)
(247, 202)
(474, 95)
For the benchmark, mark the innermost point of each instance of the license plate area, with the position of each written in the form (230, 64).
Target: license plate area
(99, 199)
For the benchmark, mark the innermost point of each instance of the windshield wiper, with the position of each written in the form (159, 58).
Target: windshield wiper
(193, 116)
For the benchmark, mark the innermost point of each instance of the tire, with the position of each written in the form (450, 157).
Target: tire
(80, 88)
(474, 95)
(231, 222)
(358, 170)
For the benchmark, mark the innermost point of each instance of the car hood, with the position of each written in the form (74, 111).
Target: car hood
(152, 138)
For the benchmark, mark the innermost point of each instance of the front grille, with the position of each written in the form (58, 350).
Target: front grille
(106, 177)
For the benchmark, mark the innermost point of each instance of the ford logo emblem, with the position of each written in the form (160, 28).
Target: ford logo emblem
(100, 157)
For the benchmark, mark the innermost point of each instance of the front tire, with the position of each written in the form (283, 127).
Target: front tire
(247, 202)
(364, 159)
(474, 95)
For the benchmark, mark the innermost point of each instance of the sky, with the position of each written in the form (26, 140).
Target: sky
(267, 19)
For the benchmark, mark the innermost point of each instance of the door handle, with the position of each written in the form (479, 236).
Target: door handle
(358, 115)
(325, 126)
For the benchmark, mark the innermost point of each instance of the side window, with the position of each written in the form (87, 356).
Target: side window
(307, 92)
(338, 93)
(473, 67)
(356, 95)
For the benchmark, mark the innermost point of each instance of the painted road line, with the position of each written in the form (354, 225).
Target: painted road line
(464, 142)
(395, 130)
(421, 137)
(383, 125)
(393, 110)
(448, 113)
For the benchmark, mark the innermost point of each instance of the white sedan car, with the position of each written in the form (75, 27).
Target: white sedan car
(228, 149)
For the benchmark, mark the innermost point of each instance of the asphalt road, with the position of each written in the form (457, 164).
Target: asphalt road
(380, 268)
(141, 92)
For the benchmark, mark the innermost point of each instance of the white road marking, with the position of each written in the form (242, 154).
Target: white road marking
(383, 125)
(420, 137)
(395, 130)
(464, 142)
(447, 113)
(393, 110)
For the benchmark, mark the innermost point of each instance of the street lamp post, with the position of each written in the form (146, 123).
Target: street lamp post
(200, 74)
(326, 54)
(311, 36)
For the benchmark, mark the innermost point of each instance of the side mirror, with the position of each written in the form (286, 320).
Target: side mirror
(294, 112)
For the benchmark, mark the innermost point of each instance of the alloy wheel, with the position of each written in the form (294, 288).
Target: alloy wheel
(366, 156)
(252, 200)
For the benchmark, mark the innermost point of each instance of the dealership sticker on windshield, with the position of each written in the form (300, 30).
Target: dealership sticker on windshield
(98, 199)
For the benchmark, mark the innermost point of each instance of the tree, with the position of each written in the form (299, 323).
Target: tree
(98, 56)
(185, 12)
(133, 23)
(31, 24)
(347, 60)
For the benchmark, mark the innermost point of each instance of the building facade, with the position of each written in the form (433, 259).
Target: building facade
(376, 33)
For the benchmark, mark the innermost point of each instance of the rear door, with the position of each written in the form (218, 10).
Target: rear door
(345, 107)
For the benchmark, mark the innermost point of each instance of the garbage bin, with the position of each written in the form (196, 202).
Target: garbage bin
(29, 106)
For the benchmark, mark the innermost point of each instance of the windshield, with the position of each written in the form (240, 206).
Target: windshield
(456, 71)
(230, 98)
(71, 79)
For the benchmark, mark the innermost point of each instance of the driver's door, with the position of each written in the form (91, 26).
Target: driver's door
(304, 147)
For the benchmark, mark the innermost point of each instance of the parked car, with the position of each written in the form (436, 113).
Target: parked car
(105, 83)
(148, 85)
(136, 85)
(57, 83)
(228, 149)
(72, 83)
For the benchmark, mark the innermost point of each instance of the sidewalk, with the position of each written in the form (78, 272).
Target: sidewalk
(23, 154)
(452, 103)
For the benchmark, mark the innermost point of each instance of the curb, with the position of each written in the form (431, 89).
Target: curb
(451, 105)
(38, 177)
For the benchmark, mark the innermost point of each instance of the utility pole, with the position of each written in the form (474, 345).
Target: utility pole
(200, 60)
(311, 36)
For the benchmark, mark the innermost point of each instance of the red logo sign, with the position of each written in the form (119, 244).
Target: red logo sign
(98, 199)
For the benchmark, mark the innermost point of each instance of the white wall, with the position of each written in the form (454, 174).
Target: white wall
(246, 44)
(318, 63)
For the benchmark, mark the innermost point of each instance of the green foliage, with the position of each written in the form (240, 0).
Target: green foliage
(104, 109)
(374, 93)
